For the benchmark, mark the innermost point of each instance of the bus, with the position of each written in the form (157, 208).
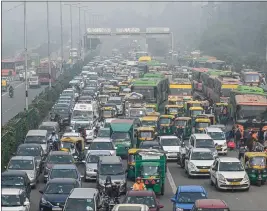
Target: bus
(11, 67)
(215, 64)
(181, 87)
(250, 77)
(196, 78)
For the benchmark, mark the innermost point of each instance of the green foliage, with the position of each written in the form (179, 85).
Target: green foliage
(14, 132)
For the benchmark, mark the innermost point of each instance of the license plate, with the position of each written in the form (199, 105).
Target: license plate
(218, 147)
(56, 208)
(204, 170)
(235, 183)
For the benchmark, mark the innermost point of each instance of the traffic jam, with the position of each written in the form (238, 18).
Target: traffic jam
(134, 134)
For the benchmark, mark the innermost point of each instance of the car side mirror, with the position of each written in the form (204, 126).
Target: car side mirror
(86, 148)
(173, 200)
(26, 203)
(214, 169)
(126, 171)
(82, 176)
(160, 206)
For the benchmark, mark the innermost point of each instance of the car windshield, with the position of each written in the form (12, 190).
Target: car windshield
(190, 197)
(10, 181)
(175, 110)
(111, 169)
(202, 124)
(202, 156)
(82, 125)
(147, 200)
(258, 161)
(124, 136)
(146, 134)
(217, 135)
(149, 171)
(107, 113)
(149, 145)
(231, 166)
(76, 204)
(10, 200)
(77, 114)
(60, 159)
(55, 188)
(48, 128)
(137, 113)
(103, 133)
(117, 102)
(181, 123)
(164, 121)
(101, 146)
(64, 173)
(29, 151)
(21, 165)
(204, 143)
(35, 140)
(92, 158)
(170, 142)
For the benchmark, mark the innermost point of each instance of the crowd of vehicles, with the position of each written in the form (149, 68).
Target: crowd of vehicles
(108, 115)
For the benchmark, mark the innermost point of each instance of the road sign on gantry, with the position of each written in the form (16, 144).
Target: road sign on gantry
(99, 31)
(127, 31)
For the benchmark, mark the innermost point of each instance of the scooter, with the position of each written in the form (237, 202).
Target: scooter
(11, 94)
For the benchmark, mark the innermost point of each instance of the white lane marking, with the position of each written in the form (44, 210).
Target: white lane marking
(171, 181)
(14, 88)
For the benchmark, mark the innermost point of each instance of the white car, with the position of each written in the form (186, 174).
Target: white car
(198, 162)
(229, 173)
(171, 145)
(219, 139)
(14, 199)
(132, 207)
(102, 144)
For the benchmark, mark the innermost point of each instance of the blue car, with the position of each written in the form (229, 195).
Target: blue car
(186, 195)
(56, 192)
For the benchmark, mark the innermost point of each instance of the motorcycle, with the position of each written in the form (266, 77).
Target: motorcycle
(11, 94)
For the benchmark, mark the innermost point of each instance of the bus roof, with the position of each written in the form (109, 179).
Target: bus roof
(251, 100)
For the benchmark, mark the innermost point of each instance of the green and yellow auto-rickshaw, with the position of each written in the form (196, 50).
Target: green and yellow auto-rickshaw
(186, 124)
(192, 103)
(145, 134)
(151, 108)
(131, 163)
(108, 112)
(194, 111)
(200, 124)
(175, 100)
(255, 165)
(176, 110)
(149, 121)
(166, 124)
(79, 145)
(155, 114)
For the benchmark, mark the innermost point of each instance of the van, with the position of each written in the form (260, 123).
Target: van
(34, 82)
(85, 112)
(38, 137)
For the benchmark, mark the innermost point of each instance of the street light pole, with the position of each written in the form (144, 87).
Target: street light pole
(61, 37)
(48, 44)
(80, 30)
(70, 26)
(26, 59)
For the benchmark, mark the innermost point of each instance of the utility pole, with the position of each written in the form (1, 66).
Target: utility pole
(70, 26)
(26, 59)
(80, 31)
(48, 44)
(61, 37)
(84, 17)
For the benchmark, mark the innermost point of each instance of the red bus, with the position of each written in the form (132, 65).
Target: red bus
(11, 67)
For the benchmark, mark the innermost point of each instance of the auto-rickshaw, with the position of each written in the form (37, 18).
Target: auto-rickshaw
(103, 99)
(192, 103)
(149, 121)
(166, 124)
(176, 110)
(187, 98)
(123, 85)
(194, 111)
(151, 108)
(114, 91)
(156, 114)
(78, 143)
(145, 134)
(108, 112)
(186, 124)
(175, 100)
(4, 85)
(256, 168)
(209, 116)
(201, 124)
(131, 163)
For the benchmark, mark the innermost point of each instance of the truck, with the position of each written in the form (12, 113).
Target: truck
(42, 72)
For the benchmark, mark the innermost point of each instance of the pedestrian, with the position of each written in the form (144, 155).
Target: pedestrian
(238, 135)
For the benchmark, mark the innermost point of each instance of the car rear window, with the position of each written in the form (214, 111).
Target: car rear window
(129, 209)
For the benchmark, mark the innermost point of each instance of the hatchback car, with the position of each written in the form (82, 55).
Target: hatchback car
(130, 207)
(55, 193)
(210, 205)
(102, 144)
(219, 139)
(14, 199)
(171, 145)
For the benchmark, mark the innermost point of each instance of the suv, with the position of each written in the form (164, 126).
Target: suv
(82, 199)
(219, 139)
(111, 166)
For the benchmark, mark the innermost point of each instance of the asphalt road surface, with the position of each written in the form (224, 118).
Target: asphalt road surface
(253, 200)
(12, 106)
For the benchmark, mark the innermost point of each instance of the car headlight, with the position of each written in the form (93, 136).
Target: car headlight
(89, 169)
(246, 178)
(179, 209)
(192, 166)
(221, 177)
(224, 144)
(43, 201)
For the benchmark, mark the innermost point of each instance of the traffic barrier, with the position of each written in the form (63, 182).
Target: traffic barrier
(14, 132)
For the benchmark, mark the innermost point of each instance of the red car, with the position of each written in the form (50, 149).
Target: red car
(210, 205)
(143, 197)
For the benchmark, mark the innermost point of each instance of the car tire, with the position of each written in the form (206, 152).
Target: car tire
(216, 186)
(162, 189)
(211, 182)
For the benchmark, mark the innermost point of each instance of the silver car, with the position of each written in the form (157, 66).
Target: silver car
(25, 163)
(14, 199)
(91, 163)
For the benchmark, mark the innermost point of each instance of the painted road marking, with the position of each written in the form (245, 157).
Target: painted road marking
(171, 181)
(14, 88)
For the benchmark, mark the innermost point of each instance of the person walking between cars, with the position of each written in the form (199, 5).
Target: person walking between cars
(238, 136)
(139, 185)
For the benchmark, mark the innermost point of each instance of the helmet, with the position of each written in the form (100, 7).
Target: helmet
(53, 132)
(108, 179)
(72, 146)
(138, 178)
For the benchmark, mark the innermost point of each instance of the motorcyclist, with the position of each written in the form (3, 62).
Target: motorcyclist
(11, 89)
(108, 186)
(139, 185)
(180, 132)
(82, 132)
(72, 149)
(242, 150)
(54, 138)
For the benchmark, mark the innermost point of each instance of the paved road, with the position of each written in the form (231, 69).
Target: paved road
(12, 106)
(237, 200)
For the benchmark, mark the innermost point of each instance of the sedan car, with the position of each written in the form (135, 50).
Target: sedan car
(171, 145)
(143, 197)
(14, 199)
(132, 207)
(56, 192)
(102, 144)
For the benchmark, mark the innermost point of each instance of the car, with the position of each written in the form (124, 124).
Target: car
(14, 199)
(27, 164)
(71, 134)
(143, 197)
(56, 157)
(219, 139)
(151, 145)
(65, 171)
(130, 207)
(102, 144)
(200, 140)
(198, 162)
(210, 205)
(186, 196)
(118, 102)
(171, 145)
(82, 199)
(229, 173)
(91, 163)
(107, 122)
(34, 150)
(111, 166)
(103, 133)
(56, 192)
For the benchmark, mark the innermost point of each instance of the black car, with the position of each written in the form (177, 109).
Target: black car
(35, 150)
(16, 179)
(64, 113)
(56, 192)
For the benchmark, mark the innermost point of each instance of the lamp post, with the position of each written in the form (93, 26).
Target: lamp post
(26, 59)
(48, 44)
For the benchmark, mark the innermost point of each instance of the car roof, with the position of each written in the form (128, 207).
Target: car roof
(150, 143)
(36, 133)
(200, 150)
(109, 159)
(14, 173)
(201, 136)
(62, 180)
(228, 159)
(11, 191)
(83, 193)
(140, 193)
(214, 129)
(64, 166)
(99, 153)
(22, 158)
(210, 203)
(30, 145)
(53, 124)
(168, 137)
(130, 207)
(59, 153)
(102, 139)
(191, 188)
